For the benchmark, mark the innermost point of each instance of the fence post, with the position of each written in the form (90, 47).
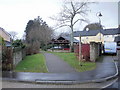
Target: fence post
(80, 51)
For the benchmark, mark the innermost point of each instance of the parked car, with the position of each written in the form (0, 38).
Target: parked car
(57, 48)
(110, 47)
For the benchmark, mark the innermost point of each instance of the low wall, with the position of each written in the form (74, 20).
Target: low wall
(0, 55)
(18, 56)
(0, 52)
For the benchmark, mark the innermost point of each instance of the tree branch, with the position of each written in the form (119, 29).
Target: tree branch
(84, 3)
(58, 27)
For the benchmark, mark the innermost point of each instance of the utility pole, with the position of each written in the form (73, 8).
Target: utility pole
(100, 15)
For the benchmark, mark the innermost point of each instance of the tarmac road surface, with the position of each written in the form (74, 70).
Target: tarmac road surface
(8, 84)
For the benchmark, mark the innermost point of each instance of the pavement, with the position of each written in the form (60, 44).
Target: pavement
(117, 83)
(105, 70)
(56, 65)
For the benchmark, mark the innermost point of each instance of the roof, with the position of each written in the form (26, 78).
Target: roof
(86, 33)
(111, 31)
(114, 31)
(8, 44)
(67, 37)
(5, 31)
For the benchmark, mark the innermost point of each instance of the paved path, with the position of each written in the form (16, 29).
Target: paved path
(56, 65)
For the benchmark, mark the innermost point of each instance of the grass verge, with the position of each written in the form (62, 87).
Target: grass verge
(32, 63)
(71, 59)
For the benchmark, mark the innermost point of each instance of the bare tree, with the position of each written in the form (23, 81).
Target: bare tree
(13, 34)
(72, 13)
(47, 36)
(38, 34)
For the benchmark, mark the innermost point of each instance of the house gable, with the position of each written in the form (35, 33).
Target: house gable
(5, 35)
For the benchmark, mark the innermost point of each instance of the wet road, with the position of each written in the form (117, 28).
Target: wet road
(7, 84)
(117, 83)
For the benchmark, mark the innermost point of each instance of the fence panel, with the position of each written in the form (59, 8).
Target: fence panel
(85, 51)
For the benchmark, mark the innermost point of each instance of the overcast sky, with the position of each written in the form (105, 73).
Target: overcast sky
(16, 13)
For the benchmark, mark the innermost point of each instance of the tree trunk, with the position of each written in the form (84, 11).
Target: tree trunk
(72, 45)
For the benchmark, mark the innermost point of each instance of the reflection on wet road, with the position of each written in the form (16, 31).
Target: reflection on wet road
(7, 84)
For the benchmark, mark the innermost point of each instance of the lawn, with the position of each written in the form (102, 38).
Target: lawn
(71, 59)
(32, 63)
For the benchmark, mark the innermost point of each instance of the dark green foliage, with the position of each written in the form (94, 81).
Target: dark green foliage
(18, 43)
(46, 47)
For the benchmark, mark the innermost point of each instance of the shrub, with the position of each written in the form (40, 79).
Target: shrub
(33, 48)
(6, 58)
(18, 43)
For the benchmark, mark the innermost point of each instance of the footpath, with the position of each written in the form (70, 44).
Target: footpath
(56, 65)
(105, 70)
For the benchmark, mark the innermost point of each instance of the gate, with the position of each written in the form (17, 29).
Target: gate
(85, 51)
